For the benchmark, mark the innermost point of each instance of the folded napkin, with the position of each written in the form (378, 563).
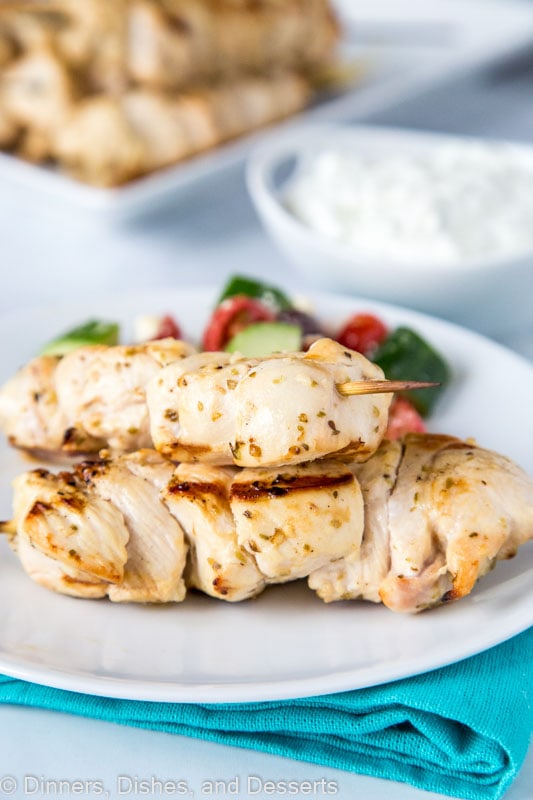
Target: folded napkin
(462, 730)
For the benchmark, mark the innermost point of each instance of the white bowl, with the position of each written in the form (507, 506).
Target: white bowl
(493, 296)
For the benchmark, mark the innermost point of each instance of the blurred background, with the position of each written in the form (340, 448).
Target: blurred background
(460, 67)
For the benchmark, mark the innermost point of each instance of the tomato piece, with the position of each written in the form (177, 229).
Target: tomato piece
(363, 333)
(232, 316)
(168, 328)
(403, 418)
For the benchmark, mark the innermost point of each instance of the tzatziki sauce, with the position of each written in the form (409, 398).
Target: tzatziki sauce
(446, 204)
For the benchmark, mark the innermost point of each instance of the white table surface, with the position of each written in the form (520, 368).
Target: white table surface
(208, 235)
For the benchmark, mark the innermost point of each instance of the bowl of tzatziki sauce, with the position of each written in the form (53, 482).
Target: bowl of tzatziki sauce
(439, 223)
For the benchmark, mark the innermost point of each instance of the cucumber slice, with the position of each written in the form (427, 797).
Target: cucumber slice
(93, 332)
(264, 338)
(264, 292)
(406, 356)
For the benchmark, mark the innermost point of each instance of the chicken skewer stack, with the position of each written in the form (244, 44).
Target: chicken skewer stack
(258, 497)
(243, 528)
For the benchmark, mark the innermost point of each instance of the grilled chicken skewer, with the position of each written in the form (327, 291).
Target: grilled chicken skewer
(121, 527)
(413, 527)
(212, 407)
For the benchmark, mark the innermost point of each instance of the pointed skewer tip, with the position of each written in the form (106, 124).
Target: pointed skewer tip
(351, 388)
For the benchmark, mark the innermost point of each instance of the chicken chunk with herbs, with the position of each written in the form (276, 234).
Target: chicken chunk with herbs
(156, 549)
(198, 497)
(283, 409)
(92, 398)
(82, 539)
(299, 518)
(439, 513)
(29, 411)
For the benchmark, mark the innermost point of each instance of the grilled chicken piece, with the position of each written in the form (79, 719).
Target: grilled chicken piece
(98, 145)
(81, 538)
(361, 574)
(101, 390)
(297, 520)
(94, 39)
(198, 497)
(169, 129)
(91, 398)
(54, 575)
(109, 140)
(281, 410)
(179, 43)
(102, 530)
(192, 407)
(37, 93)
(452, 509)
(29, 413)
(245, 105)
(156, 547)
(477, 507)
(248, 528)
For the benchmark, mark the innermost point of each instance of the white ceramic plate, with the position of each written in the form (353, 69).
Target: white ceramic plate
(286, 643)
(403, 47)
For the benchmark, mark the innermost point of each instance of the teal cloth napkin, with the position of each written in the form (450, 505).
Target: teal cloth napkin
(462, 730)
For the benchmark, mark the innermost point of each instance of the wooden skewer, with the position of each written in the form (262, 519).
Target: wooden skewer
(8, 527)
(381, 387)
